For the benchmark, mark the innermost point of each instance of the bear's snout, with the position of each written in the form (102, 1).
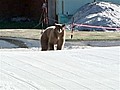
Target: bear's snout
(60, 31)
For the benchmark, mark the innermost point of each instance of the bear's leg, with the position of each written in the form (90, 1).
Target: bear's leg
(51, 46)
(44, 46)
(44, 49)
(59, 47)
(60, 44)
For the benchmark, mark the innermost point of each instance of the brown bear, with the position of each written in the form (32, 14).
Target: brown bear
(51, 36)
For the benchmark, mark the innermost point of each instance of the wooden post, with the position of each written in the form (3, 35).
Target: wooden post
(45, 14)
(72, 28)
(51, 11)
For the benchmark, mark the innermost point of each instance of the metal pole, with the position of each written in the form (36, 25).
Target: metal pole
(45, 16)
(62, 7)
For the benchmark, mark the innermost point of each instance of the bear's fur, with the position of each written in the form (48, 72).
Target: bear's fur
(51, 36)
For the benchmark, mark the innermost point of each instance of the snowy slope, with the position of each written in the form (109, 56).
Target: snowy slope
(98, 14)
(77, 69)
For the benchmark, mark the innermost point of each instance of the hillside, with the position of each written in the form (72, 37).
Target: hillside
(98, 14)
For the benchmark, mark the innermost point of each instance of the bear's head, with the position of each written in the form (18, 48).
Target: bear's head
(59, 28)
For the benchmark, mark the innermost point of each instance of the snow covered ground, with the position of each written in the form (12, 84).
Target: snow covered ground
(94, 68)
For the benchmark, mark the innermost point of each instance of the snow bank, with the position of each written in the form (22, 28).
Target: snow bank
(78, 69)
(98, 14)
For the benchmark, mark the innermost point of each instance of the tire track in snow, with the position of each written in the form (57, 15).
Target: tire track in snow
(53, 58)
(9, 83)
(98, 75)
(104, 85)
(19, 79)
(74, 67)
(88, 62)
(98, 65)
(93, 73)
(32, 74)
(49, 73)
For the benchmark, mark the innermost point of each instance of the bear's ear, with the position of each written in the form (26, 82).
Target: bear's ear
(59, 25)
(63, 25)
(55, 24)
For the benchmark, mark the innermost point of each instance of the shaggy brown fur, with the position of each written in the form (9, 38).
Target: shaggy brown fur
(51, 36)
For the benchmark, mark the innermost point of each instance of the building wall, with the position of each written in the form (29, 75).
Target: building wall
(25, 8)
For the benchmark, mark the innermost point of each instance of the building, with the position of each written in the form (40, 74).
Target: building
(56, 11)
(21, 8)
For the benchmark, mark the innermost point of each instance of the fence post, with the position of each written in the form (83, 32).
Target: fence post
(72, 28)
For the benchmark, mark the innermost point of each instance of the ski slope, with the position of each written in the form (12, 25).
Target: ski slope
(95, 68)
